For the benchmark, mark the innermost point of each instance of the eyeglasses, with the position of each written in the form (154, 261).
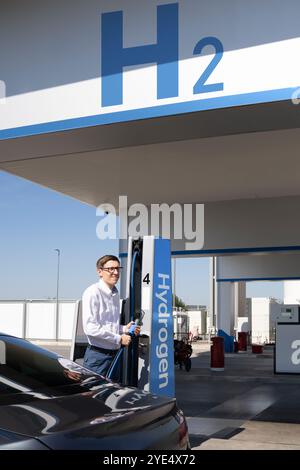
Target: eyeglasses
(112, 270)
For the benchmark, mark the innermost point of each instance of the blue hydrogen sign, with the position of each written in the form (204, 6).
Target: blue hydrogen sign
(153, 58)
(162, 348)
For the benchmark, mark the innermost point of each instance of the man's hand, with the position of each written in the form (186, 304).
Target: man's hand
(72, 375)
(127, 327)
(137, 329)
(125, 340)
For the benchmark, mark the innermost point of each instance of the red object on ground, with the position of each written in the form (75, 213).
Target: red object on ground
(257, 348)
(217, 354)
(242, 340)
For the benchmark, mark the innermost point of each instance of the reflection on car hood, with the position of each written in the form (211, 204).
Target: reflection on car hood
(101, 407)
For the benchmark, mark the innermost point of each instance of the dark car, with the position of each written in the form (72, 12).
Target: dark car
(49, 402)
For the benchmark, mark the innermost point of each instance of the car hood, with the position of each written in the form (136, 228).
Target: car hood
(101, 412)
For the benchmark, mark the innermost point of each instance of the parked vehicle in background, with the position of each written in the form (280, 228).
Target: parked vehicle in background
(182, 354)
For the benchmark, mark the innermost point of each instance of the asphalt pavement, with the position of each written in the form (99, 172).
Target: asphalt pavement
(244, 407)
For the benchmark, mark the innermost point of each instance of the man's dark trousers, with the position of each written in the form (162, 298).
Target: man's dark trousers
(98, 359)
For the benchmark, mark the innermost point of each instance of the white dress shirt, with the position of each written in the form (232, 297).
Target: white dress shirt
(101, 316)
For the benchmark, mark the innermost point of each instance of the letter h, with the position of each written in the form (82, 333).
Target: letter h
(115, 57)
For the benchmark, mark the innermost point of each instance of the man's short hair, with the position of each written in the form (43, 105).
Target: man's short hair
(104, 259)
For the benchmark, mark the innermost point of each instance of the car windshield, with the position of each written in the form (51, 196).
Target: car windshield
(25, 367)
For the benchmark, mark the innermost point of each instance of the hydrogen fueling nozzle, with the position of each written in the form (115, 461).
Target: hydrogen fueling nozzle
(132, 329)
(137, 322)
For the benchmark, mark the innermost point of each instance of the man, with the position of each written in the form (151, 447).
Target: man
(101, 317)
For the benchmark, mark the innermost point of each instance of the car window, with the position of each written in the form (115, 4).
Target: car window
(25, 367)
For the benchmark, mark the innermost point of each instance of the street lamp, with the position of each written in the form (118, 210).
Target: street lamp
(57, 290)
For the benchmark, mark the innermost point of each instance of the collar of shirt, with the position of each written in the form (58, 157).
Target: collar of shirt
(106, 289)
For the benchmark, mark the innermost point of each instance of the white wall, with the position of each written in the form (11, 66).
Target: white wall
(66, 320)
(260, 319)
(243, 324)
(40, 321)
(291, 292)
(265, 312)
(198, 319)
(37, 319)
(12, 318)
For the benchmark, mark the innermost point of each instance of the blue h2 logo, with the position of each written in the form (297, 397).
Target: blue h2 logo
(164, 53)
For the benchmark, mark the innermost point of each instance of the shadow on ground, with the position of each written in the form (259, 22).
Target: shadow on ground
(246, 399)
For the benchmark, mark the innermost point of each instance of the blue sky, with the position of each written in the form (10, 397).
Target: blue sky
(36, 220)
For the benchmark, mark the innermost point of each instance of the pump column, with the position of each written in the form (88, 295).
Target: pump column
(156, 351)
(157, 304)
(227, 304)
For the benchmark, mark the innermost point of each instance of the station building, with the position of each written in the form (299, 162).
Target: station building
(176, 102)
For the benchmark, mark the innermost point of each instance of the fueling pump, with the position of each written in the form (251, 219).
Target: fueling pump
(148, 362)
